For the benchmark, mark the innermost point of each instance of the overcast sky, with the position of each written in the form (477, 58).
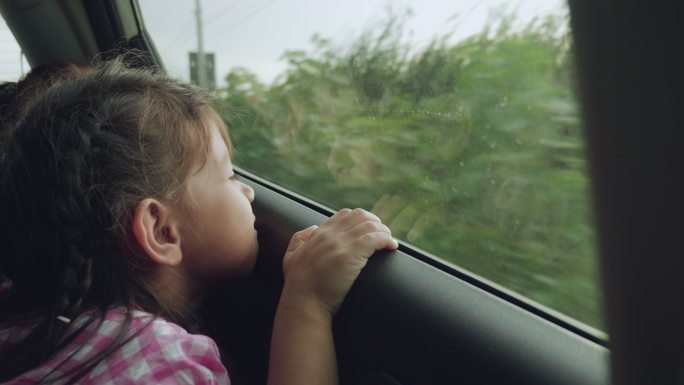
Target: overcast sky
(10, 68)
(255, 33)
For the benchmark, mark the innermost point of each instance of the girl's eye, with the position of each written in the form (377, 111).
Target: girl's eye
(233, 177)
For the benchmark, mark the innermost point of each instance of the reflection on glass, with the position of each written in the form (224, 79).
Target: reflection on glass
(468, 148)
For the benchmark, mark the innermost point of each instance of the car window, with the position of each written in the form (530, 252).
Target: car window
(456, 122)
(13, 64)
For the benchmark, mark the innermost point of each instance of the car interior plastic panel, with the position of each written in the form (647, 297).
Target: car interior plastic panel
(45, 31)
(629, 65)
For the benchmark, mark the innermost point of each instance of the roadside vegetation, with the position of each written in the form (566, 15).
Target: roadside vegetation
(470, 150)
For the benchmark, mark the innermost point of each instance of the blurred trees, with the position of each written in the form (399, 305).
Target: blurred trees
(472, 151)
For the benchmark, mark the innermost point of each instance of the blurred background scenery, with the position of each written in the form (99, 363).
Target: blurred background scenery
(471, 151)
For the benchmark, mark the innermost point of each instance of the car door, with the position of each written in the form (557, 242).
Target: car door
(416, 318)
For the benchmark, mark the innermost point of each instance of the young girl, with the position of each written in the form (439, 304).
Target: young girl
(120, 209)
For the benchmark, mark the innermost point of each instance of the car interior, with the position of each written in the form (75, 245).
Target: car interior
(411, 319)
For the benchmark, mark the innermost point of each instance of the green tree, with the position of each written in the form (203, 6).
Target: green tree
(471, 150)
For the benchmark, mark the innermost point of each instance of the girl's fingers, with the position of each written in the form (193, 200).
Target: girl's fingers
(368, 227)
(300, 237)
(368, 243)
(340, 214)
(355, 217)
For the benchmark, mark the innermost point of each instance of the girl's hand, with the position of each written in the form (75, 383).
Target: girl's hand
(321, 263)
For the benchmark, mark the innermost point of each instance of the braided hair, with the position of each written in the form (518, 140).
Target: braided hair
(81, 158)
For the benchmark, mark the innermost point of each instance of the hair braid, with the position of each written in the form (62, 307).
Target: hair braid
(81, 181)
(77, 281)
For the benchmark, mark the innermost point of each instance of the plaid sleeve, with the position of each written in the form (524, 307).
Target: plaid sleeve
(164, 354)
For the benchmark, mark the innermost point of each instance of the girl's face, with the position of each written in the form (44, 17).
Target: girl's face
(218, 239)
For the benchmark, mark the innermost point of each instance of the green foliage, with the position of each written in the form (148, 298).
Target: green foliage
(472, 151)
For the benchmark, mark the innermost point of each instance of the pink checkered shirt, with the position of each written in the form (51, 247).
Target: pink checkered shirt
(163, 353)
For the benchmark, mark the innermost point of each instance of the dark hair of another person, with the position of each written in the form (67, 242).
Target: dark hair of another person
(15, 97)
(77, 164)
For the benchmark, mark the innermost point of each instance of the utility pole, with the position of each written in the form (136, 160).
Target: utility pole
(201, 62)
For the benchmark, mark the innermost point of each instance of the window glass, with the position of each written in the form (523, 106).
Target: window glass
(12, 63)
(455, 122)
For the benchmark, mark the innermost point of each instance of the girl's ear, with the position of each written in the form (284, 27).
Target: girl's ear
(157, 233)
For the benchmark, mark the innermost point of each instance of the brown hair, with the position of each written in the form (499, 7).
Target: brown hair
(16, 97)
(85, 154)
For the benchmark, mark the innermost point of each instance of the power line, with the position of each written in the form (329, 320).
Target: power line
(222, 12)
(175, 40)
(180, 45)
(244, 8)
(256, 10)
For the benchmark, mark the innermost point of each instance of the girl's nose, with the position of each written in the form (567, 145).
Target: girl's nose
(248, 191)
